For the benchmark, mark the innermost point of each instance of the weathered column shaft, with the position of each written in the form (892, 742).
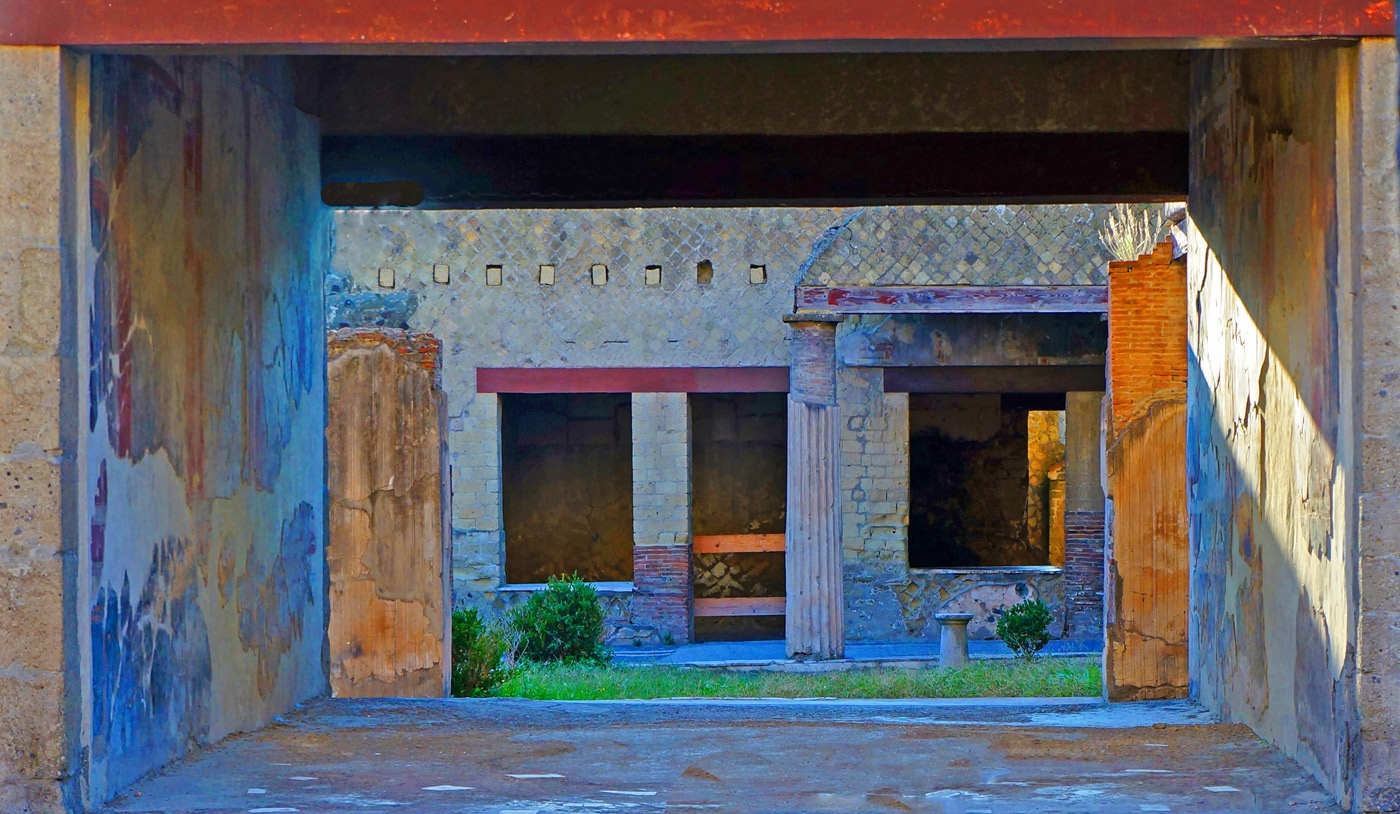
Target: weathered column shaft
(815, 621)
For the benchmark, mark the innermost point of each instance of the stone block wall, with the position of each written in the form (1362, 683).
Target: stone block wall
(1377, 314)
(474, 449)
(38, 666)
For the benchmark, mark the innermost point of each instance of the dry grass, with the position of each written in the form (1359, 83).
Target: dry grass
(1131, 231)
(1042, 677)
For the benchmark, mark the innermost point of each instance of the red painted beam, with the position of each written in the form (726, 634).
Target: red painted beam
(719, 22)
(632, 380)
(954, 299)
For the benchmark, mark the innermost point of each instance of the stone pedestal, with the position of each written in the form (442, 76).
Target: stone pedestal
(815, 623)
(952, 639)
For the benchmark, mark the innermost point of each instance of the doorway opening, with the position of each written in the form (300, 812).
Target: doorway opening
(739, 482)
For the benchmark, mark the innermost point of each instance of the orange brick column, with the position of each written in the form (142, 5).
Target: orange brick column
(1145, 479)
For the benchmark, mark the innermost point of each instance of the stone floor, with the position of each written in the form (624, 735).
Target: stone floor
(503, 755)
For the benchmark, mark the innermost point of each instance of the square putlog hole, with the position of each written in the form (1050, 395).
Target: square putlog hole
(386, 278)
(704, 272)
(442, 275)
(600, 274)
(653, 275)
(758, 274)
(546, 274)
(494, 275)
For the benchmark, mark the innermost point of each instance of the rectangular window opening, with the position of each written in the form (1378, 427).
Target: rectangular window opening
(566, 490)
(982, 476)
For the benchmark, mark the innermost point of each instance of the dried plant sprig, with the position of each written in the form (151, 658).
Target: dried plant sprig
(1131, 231)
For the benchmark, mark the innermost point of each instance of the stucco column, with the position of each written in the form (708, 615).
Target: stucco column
(815, 624)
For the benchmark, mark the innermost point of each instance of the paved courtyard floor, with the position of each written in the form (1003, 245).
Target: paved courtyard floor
(539, 757)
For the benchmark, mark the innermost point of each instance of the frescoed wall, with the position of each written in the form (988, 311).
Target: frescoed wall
(205, 408)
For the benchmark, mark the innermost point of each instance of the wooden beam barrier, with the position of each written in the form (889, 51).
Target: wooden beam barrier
(742, 606)
(740, 543)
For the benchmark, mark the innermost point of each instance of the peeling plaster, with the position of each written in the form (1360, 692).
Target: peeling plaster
(204, 450)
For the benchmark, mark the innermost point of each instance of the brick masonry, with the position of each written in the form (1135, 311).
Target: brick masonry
(1148, 322)
(662, 594)
(1083, 573)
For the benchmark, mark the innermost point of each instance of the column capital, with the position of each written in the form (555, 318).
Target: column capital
(813, 377)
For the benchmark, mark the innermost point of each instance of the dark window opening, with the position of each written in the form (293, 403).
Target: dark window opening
(566, 486)
(739, 483)
(981, 475)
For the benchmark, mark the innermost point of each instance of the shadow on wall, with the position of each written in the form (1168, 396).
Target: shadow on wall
(1272, 596)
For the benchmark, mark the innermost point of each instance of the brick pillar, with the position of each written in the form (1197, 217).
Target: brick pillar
(1145, 457)
(815, 599)
(661, 567)
(1084, 536)
(1084, 516)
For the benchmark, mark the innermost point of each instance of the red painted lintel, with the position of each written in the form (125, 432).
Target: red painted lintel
(632, 380)
(725, 23)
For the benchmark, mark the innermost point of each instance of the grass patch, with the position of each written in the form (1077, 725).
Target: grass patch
(1043, 677)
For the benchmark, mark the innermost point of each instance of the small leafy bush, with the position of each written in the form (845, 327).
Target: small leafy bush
(1025, 627)
(562, 623)
(481, 655)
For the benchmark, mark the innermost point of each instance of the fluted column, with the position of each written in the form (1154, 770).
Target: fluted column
(815, 624)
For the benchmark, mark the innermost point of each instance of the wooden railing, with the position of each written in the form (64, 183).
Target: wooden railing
(741, 544)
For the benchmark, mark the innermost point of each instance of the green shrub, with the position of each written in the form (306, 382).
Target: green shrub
(1025, 627)
(481, 655)
(562, 623)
